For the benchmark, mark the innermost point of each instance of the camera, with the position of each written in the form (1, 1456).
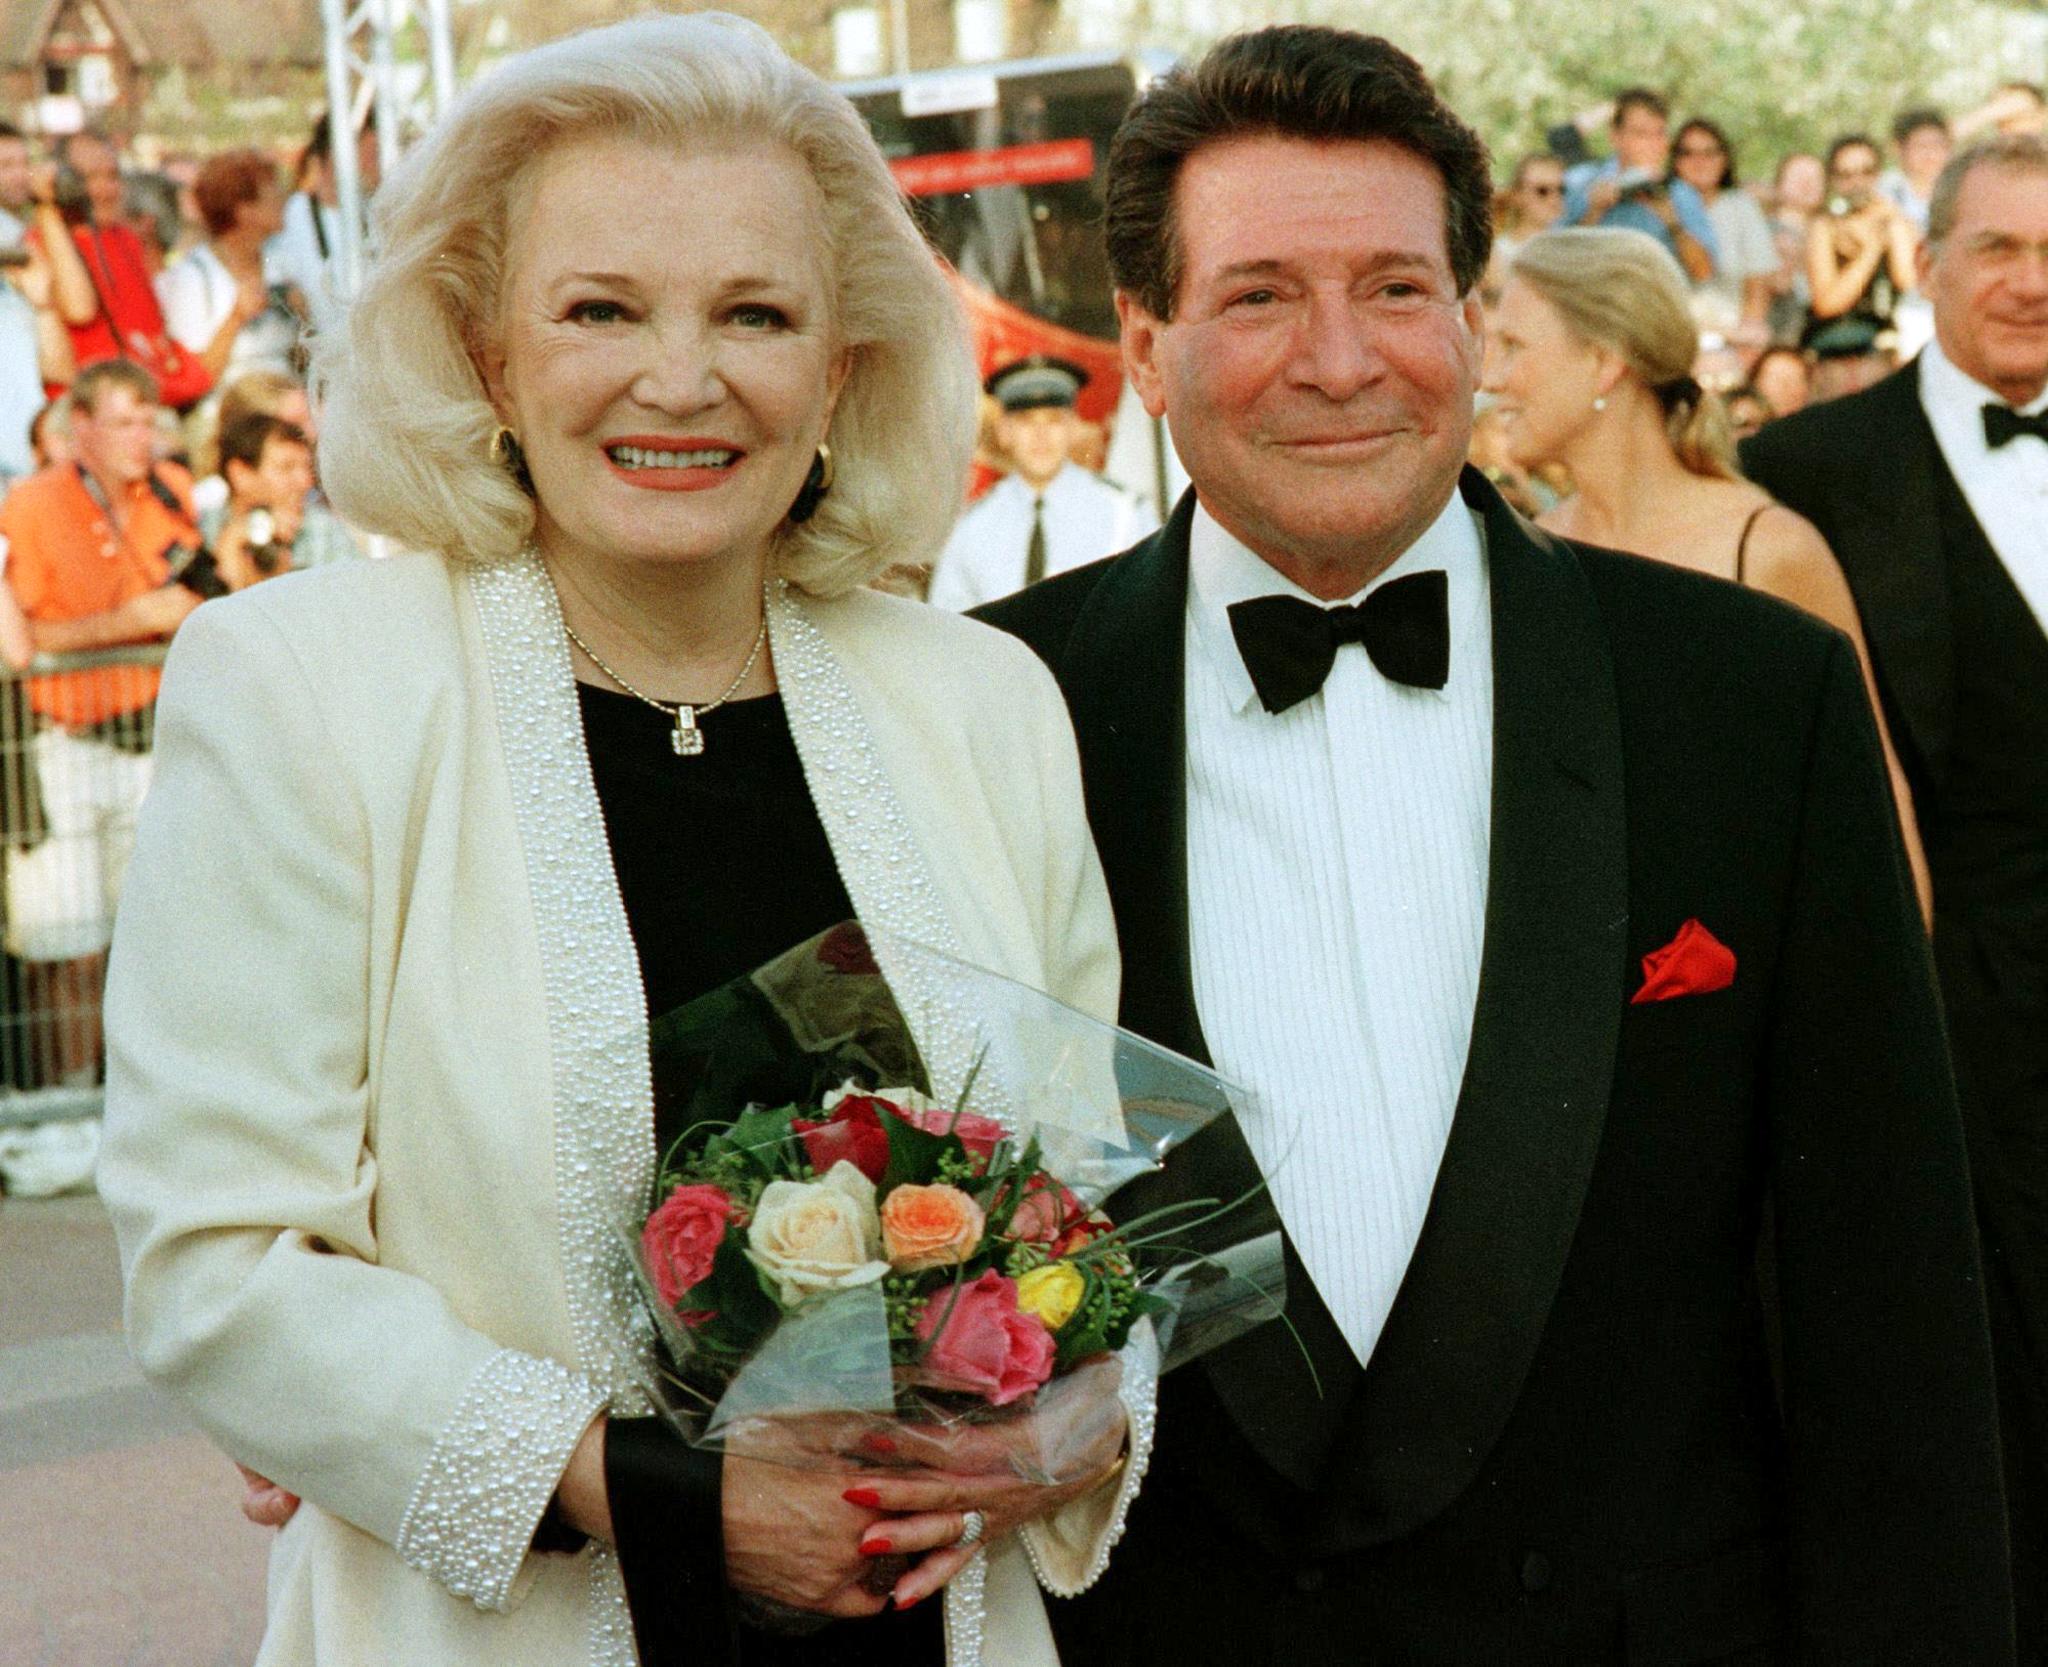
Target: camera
(67, 191)
(1639, 183)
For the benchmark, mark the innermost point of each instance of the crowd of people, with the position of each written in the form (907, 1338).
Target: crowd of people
(1801, 281)
(156, 450)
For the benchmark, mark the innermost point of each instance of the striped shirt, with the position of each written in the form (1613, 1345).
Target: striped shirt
(1336, 900)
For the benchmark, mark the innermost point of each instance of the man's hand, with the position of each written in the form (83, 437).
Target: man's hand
(265, 1503)
(1601, 197)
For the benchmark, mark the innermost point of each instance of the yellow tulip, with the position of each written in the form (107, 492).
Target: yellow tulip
(1052, 1292)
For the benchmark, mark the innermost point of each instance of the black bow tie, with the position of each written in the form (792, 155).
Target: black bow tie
(2002, 424)
(1289, 645)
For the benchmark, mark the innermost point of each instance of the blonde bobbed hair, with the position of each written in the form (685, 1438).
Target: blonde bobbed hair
(1623, 290)
(406, 426)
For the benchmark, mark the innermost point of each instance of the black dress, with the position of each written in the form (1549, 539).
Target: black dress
(722, 864)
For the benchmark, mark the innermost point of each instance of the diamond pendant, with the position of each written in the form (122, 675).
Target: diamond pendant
(688, 739)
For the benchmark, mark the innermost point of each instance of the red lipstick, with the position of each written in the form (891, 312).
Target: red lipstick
(693, 478)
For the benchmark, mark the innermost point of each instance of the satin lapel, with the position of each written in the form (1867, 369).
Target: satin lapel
(1123, 670)
(1452, 1359)
(1891, 554)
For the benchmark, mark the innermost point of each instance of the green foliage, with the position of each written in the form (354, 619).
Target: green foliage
(1778, 76)
(914, 1156)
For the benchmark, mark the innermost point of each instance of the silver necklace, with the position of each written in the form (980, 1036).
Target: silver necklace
(687, 739)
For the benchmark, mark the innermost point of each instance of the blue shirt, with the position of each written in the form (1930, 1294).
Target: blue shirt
(21, 382)
(1634, 216)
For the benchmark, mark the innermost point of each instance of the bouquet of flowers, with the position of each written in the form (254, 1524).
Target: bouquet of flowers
(844, 1268)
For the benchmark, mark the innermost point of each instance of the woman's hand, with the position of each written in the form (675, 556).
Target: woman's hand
(794, 1537)
(926, 1512)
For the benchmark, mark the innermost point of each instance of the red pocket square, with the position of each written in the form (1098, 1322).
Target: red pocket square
(1695, 963)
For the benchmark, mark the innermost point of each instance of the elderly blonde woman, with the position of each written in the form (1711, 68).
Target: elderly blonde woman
(657, 366)
(1591, 369)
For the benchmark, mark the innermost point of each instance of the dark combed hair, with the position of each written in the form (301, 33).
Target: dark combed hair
(1296, 82)
(1640, 98)
(1910, 122)
(242, 441)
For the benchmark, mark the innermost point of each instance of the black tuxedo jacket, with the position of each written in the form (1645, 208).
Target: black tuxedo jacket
(1566, 1447)
(1866, 471)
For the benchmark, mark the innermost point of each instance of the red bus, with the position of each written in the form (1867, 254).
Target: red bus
(1004, 164)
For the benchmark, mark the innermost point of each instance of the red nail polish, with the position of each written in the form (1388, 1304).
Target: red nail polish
(875, 1548)
(863, 1496)
(878, 1443)
(903, 1604)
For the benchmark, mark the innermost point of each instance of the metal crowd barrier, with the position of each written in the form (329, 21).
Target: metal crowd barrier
(75, 733)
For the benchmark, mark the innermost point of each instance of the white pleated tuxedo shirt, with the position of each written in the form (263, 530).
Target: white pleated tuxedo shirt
(1336, 904)
(2007, 489)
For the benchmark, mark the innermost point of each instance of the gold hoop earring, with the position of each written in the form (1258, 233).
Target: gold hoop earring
(816, 484)
(507, 453)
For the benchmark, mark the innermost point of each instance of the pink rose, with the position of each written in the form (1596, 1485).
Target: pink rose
(852, 1134)
(1046, 1211)
(983, 1343)
(681, 1241)
(978, 1134)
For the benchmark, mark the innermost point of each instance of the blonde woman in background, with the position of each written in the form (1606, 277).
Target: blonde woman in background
(1591, 366)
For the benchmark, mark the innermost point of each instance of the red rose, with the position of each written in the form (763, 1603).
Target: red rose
(983, 1343)
(852, 1134)
(978, 1134)
(845, 950)
(681, 1241)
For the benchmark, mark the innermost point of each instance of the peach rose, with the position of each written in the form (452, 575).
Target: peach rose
(929, 1227)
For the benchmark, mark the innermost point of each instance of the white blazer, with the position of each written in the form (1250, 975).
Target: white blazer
(377, 1075)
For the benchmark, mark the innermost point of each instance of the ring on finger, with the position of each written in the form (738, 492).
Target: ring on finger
(972, 1526)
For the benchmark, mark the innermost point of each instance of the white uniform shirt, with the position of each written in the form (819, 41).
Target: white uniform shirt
(197, 292)
(1336, 907)
(1085, 519)
(2007, 489)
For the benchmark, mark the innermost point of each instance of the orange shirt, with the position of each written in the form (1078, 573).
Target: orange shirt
(65, 560)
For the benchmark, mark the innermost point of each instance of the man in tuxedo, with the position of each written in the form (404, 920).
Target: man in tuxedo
(1551, 903)
(1931, 487)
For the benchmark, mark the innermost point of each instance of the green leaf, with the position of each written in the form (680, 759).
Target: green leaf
(914, 1155)
(761, 1136)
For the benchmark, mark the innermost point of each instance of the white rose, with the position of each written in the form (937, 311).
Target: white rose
(813, 1236)
(910, 1099)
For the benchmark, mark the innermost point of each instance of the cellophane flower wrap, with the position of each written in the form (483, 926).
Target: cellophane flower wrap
(911, 1213)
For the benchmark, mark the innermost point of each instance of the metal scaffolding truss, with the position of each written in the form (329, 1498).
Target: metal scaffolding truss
(374, 49)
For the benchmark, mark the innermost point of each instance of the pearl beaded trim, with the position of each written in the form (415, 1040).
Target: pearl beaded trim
(597, 1010)
(471, 1518)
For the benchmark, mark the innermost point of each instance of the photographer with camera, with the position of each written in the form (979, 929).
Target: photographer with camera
(1630, 190)
(271, 522)
(120, 317)
(1859, 263)
(218, 298)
